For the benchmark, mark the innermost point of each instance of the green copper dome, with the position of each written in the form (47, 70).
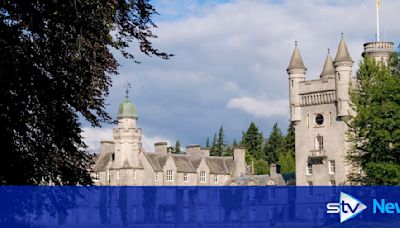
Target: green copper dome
(127, 110)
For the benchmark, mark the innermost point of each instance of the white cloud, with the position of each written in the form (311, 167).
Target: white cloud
(240, 50)
(260, 108)
(93, 136)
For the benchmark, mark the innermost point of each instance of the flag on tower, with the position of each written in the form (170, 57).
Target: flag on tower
(378, 3)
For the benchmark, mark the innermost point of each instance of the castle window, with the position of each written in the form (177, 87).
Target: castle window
(108, 175)
(170, 175)
(332, 167)
(330, 118)
(185, 177)
(332, 183)
(202, 176)
(134, 174)
(96, 176)
(117, 174)
(309, 169)
(156, 176)
(319, 119)
(215, 179)
(308, 120)
(319, 143)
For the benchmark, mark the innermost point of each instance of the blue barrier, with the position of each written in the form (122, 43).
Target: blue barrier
(28, 206)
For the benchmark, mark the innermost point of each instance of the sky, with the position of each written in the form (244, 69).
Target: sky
(230, 62)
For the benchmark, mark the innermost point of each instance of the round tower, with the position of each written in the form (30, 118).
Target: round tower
(343, 69)
(297, 73)
(127, 137)
(380, 51)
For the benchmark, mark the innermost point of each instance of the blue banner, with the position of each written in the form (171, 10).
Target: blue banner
(199, 206)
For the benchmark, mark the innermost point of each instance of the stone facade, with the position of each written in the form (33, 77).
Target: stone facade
(319, 109)
(123, 162)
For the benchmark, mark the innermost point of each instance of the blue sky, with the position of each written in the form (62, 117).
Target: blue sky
(230, 61)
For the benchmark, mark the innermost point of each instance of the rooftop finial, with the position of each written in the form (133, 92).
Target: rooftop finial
(127, 86)
(295, 43)
(342, 34)
(329, 51)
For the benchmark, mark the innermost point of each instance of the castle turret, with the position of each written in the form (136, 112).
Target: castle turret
(329, 70)
(343, 69)
(380, 51)
(127, 137)
(297, 73)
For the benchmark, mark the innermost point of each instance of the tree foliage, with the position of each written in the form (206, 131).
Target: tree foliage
(253, 142)
(374, 132)
(56, 65)
(275, 144)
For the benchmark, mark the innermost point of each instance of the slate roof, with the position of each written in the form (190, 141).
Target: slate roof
(296, 62)
(329, 69)
(343, 54)
(102, 161)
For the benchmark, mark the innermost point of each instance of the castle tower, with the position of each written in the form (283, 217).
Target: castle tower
(380, 51)
(297, 73)
(127, 137)
(329, 70)
(343, 69)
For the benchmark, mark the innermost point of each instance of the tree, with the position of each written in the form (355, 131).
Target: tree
(374, 132)
(220, 142)
(274, 145)
(208, 142)
(214, 148)
(287, 162)
(252, 141)
(290, 139)
(235, 143)
(177, 148)
(56, 65)
(261, 167)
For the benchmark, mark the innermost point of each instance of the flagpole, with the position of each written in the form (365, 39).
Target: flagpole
(377, 23)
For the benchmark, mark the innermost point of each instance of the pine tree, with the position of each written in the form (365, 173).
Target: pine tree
(287, 162)
(177, 148)
(220, 142)
(374, 131)
(208, 142)
(290, 139)
(252, 141)
(214, 148)
(235, 143)
(275, 144)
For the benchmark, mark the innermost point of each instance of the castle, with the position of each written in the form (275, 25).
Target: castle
(319, 110)
(123, 162)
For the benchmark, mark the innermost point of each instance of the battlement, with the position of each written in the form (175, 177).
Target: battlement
(383, 47)
(315, 86)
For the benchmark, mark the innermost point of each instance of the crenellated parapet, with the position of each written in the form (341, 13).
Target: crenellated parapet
(380, 51)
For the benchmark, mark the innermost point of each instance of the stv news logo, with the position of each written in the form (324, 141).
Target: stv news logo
(348, 207)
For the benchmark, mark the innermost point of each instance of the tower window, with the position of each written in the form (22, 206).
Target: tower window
(185, 177)
(134, 174)
(319, 143)
(155, 176)
(319, 119)
(108, 175)
(309, 169)
(215, 179)
(332, 167)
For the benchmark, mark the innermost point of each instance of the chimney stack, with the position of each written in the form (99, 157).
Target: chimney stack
(161, 147)
(274, 170)
(240, 162)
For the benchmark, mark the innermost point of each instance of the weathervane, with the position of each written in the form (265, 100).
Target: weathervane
(127, 86)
